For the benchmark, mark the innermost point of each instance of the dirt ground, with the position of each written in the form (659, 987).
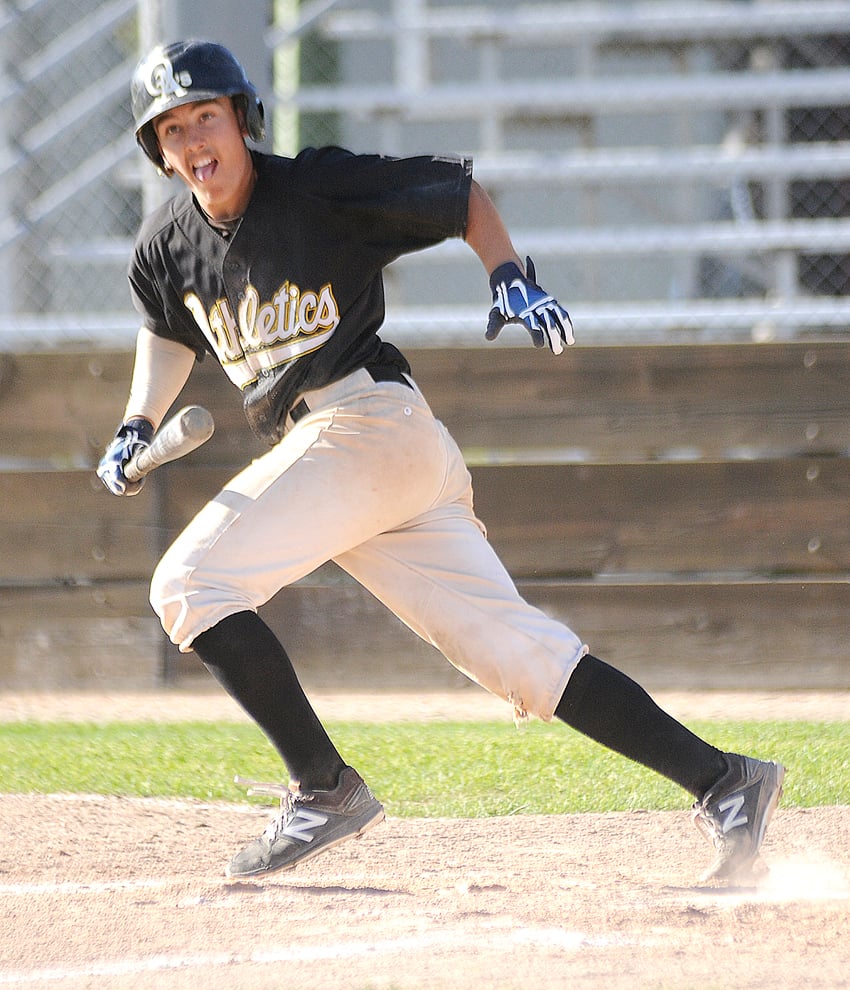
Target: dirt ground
(102, 892)
(207, 702)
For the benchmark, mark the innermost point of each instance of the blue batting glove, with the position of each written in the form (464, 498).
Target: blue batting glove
(517, 298)
(133, 436)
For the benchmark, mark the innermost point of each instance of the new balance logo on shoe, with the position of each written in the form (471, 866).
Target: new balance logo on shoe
(730, 809)
(308, 824)
(300, 826)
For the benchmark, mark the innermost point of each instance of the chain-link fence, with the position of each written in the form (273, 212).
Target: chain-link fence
(71, 192)
(677, 169)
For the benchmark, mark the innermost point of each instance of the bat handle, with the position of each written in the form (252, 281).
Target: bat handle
(191, 427)
(139, 465)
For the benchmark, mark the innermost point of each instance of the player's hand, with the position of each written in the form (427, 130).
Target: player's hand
(517, 298)
(133, 436)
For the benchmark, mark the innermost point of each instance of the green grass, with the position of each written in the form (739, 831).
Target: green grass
(417, 770)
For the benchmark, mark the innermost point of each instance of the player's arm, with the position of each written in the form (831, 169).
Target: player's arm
(486, 233)
(517, 298)
(160, 370)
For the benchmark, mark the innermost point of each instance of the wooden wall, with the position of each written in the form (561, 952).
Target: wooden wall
(684, 508)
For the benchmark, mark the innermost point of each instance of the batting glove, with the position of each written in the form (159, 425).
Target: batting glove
(517, 298)
(132, 437)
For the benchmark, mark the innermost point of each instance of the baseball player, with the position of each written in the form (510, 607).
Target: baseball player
(273, 266)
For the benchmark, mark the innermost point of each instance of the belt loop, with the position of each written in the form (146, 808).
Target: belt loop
(387, 373)
(299, 410)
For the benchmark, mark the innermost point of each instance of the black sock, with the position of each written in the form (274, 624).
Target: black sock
(612, 709)
(250, 663)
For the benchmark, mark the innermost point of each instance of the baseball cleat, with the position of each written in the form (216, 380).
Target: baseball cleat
(735, 813)
(308, 824)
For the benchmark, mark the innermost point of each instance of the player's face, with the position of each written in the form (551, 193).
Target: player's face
(204, 143)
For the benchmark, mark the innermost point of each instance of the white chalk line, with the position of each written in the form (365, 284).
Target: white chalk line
(568, 941)
(50, 889)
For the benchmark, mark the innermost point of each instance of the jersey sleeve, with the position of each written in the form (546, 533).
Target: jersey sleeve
(149, 300)
(398, 205)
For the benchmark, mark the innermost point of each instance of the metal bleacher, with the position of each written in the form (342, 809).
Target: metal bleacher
(674, 168)
(654, 137)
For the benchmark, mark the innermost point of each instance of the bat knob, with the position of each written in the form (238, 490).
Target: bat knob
(197, 422)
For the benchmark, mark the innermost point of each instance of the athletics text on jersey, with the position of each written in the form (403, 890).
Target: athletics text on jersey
(265, 335)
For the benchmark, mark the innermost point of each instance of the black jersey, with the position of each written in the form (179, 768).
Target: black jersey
(294, 298)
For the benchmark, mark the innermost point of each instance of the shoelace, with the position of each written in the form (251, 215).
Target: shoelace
(709, 826)
(288, 800)
(281, 791)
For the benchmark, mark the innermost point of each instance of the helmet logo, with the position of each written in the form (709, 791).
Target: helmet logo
(161, 81)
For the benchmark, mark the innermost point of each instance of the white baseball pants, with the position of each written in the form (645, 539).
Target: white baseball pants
(370, 479)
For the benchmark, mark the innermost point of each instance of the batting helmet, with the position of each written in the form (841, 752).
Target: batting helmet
(188, 72)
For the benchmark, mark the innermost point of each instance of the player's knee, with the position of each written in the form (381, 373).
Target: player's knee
(188, 601)
(168, 596)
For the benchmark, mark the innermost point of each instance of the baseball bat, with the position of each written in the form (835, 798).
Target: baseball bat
(185, 431)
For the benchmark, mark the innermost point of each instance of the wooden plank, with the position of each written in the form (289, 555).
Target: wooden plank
(684, 498)
(585, 519)
(83, 637)
(643, 402)
(60, 410)
(599, 404)
(770, 517)
(759, 635)
(755, 635)
(760, 517)
(65, 526)
(732, 635)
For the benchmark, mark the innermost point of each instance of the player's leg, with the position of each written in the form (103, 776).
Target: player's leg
(608, 706)
(443, 579)
(342, 475)
(232, 556)
(251, 664)
(736, 795)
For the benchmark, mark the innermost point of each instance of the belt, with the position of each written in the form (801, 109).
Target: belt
(378, 373)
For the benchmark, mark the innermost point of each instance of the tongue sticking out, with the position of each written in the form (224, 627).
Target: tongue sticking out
(205, 172)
